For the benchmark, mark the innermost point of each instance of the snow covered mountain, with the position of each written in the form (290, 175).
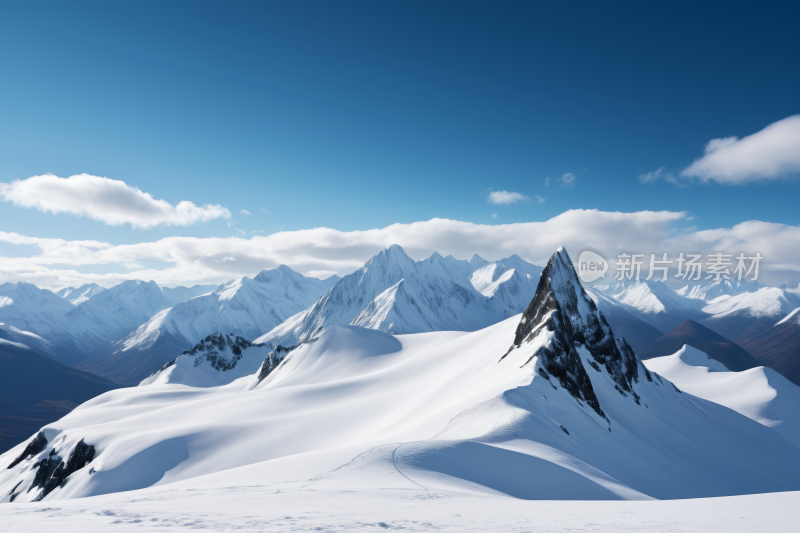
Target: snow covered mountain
(81, 294)
(659, 305)
(395, 294)
(742, 316)
(547, 406)
(710, 290)
(244, 307)
(27, 308)
(114, 313)
(760, 394)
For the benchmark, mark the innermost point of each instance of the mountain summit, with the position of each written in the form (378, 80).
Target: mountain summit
(561, 322)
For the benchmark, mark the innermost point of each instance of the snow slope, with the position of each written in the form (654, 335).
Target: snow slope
(544, 406)
(395, 294)
(760, 394)
(659, 305)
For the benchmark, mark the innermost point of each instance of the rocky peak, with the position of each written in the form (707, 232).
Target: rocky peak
(562, 308)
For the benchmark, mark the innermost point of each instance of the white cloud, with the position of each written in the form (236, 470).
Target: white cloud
(265, 210)
(110, 201)
(547, 181)
(246, 212)
(505, 197)
(655, 175)
(190, 260)
(539, 199)
(494, 215)
(771, 153)
(567, 180)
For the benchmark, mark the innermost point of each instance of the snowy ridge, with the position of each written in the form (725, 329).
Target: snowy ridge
(769, 302)
(760, 394)
(438, 413)
(81, 294)
(26, 339)
(708, 291)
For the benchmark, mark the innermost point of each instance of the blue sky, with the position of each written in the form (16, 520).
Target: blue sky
(358, 115)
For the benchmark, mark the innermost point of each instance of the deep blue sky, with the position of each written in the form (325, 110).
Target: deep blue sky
(356, 115)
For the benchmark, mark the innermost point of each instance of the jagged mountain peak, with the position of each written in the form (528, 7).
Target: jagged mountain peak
(560, 322)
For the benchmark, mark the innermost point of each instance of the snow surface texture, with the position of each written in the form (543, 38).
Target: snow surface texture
(284, 498)
(432, 415)
(395, 294)
(760, 394)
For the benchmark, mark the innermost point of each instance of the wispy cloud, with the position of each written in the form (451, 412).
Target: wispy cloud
(113, 202)
(505, 197)
(770, 154)
(265, 210)
(547, 181)
(539, 199)
(494, 215)
(567, 180)
(246, 212)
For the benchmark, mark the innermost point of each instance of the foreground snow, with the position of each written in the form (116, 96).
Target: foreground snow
(297, 504)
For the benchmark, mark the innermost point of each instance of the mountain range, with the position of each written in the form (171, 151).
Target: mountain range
(552, 396)
(395, 294)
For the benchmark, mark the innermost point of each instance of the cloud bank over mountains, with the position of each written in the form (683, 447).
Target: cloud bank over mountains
(324, 251)
(112, 202)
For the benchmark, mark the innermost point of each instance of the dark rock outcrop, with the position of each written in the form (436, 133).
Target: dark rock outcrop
(53, 472)
(562, 307)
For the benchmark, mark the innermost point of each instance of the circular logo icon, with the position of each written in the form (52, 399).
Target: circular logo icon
(591, 266)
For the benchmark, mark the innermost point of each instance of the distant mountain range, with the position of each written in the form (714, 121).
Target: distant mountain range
(126, 332)
(395, 294)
